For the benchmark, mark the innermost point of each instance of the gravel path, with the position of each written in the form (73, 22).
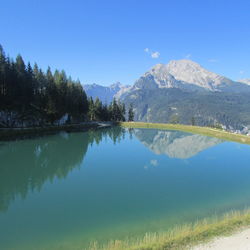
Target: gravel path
(237, 241)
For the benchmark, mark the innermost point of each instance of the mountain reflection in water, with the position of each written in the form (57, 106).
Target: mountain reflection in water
(175, 144)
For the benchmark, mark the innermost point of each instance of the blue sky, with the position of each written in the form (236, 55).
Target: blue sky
(104, 41)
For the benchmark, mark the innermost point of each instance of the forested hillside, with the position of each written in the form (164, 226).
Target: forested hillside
(195, 108)
(31, 97)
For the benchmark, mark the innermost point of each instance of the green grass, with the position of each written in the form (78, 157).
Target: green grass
(213, 132)
(182, 237)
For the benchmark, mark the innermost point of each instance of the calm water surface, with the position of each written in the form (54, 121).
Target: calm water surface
(65, 190)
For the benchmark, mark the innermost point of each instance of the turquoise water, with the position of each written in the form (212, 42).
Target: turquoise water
(65, 190)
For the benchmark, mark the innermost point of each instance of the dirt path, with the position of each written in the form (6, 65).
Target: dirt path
(238, 241)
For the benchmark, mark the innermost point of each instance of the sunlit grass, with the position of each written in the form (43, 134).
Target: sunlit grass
(213, 132)
(182, 237)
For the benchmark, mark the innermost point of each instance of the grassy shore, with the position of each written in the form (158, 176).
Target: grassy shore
(19, 133)
(183, 237)
(213, 132)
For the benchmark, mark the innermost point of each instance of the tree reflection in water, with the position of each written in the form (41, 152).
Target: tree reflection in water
(27, 164)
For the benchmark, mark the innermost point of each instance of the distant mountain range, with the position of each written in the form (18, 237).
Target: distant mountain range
(105, 93)
(183, 91)
(246, 81)
(183, 74)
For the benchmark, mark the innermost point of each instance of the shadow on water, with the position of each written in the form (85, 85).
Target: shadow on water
(27, 165)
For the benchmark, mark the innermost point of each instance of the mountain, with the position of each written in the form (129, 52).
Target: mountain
(175, 144)
(246, 81)
(192, 73)
(184, 92)
(182, 74)
(105, 93)
(187, 75)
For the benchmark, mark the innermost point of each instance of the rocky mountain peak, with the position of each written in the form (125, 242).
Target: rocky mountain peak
(186, 72)
(246, 81)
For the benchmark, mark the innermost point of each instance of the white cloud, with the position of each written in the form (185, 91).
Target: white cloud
(242, 72)
(188, 56)
(154, 162)
(153, 54)
(212, 60)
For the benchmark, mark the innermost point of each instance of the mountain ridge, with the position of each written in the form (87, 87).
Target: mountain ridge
(105, 93)
(183, 74)
(187, 75)
(246, 81)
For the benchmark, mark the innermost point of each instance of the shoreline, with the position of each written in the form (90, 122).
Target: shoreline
(239, 240)
(200, 235)
(16, 133)
(207, 131)
(7, 134)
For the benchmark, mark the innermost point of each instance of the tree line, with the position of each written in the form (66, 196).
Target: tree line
(116, 111)
(30, 96)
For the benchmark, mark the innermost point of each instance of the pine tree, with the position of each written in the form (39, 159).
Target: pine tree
(130, 113)
(98, 109)
(115, 111)
(123, 112)
(91, 112)
(193, 121)
(2, 77)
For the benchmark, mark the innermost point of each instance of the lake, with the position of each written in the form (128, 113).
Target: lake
(63, 191)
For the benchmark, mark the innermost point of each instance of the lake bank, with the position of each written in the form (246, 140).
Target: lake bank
(213, 132)
(16, 133)
(7, 134)
(190, 236)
